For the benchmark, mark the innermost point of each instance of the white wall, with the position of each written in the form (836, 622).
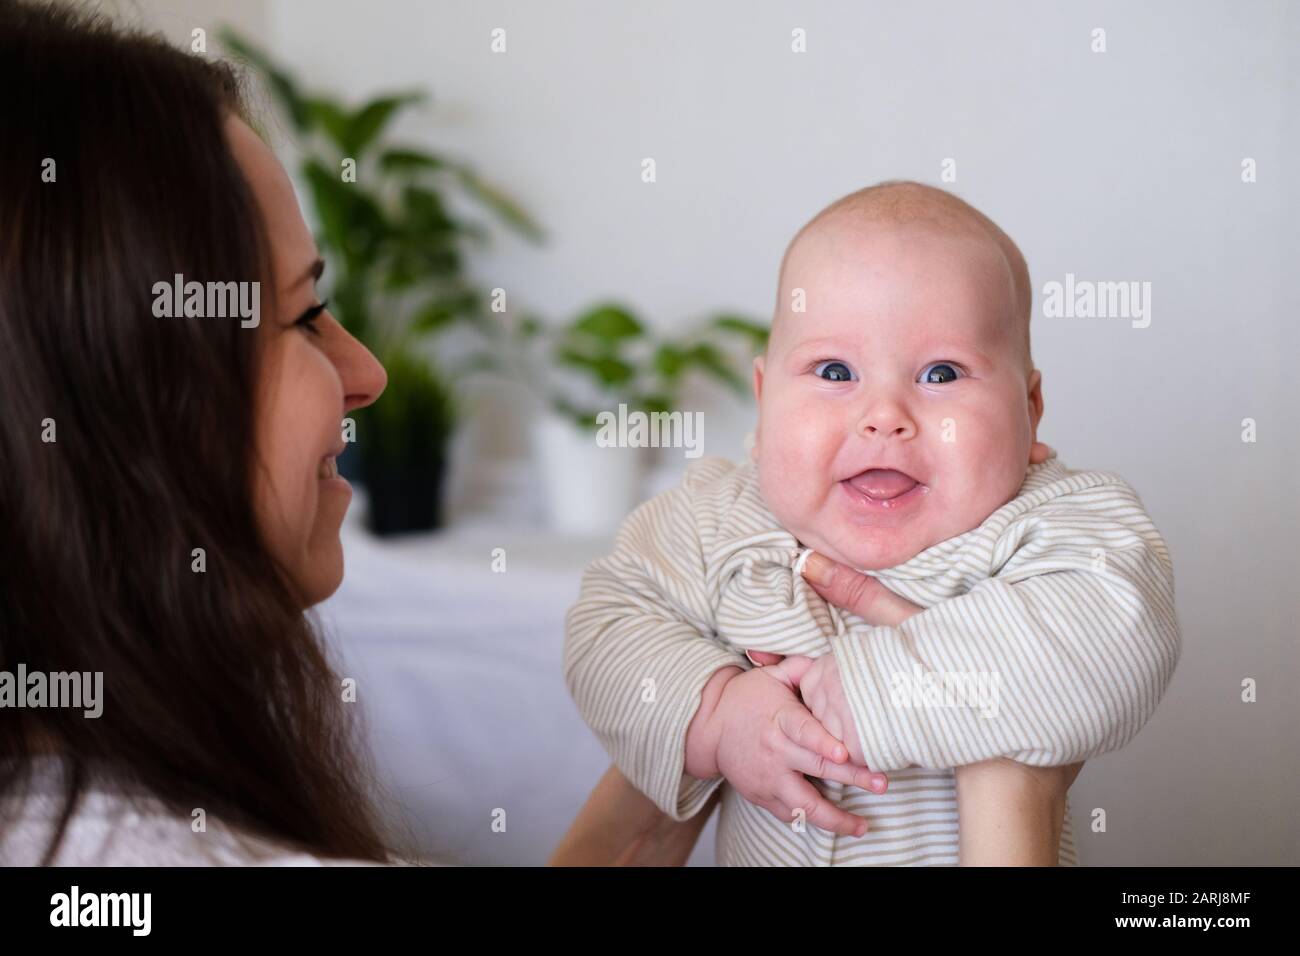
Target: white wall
(1113, 166)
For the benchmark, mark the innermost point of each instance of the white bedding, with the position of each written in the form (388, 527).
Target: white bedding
(458, 672)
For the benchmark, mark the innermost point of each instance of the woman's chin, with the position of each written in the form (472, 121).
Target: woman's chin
(322, 572)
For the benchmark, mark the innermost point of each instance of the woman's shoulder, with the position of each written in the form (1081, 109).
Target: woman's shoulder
(110, 826)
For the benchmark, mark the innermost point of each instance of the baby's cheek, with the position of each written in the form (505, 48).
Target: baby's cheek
(784, 491)
(975, 442)
(984, 474)
(997, 419)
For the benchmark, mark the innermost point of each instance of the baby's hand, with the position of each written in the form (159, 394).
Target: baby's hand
(767, 740)
(822, 691)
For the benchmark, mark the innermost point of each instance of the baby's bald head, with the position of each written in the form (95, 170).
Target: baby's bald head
(899, 203)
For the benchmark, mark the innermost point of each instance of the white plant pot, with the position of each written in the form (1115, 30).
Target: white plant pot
(589, 490)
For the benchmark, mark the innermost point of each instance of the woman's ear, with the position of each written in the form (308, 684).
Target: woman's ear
(758, 378)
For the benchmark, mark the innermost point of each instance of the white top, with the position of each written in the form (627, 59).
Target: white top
(111, 827)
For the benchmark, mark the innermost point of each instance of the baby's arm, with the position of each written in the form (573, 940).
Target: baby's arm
(1080, 652)
(1076, 658)
(639, 654)
(1008, 814)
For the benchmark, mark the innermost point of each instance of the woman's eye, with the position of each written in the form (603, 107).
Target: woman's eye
(833, 371)
(308, 319)
(939, 373)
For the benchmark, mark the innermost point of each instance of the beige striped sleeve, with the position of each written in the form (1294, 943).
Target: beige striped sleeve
(639, 648)
(1075, 650)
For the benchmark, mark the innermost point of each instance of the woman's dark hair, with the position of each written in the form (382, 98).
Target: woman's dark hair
(115, 174)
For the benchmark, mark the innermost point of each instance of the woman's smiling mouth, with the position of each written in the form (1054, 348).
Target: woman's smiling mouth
(327, 472)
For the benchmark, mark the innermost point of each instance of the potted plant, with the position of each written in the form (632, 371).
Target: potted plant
(405, 461)
(605, 366)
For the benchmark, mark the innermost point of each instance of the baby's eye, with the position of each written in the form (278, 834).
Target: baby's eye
(838, 371)
(939, 373)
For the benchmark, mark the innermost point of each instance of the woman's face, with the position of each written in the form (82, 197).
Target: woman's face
(310, 376)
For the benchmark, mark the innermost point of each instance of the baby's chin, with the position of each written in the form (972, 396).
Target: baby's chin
(886, 550)
(867, 549)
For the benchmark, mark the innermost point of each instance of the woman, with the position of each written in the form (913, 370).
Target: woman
(170, 505)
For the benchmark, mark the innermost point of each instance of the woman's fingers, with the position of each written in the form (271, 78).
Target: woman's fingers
(848, 588)
(764, 658)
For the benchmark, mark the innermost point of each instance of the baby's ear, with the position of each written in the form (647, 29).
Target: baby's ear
(751, 440)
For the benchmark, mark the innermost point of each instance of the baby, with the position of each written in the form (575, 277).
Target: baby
(897, 434)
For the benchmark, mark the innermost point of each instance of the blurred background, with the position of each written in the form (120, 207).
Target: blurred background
(560, 207)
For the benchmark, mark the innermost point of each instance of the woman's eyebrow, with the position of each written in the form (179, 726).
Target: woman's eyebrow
(314, 271)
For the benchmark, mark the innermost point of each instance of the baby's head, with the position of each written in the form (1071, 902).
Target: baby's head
(900, 344)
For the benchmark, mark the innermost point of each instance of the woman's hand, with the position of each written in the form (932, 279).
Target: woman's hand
(848, 588)
(620, 826)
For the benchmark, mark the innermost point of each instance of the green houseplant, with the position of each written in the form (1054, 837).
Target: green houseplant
(607, 363)
(397, 279)
(614, 350)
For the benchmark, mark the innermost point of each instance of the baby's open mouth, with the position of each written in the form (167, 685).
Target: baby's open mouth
(883, 484)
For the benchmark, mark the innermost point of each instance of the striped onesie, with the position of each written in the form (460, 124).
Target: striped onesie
(1058, 609)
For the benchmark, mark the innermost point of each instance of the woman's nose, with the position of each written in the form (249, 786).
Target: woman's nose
(364, 379)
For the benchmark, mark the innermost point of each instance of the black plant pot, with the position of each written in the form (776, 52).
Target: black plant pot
(403, 498)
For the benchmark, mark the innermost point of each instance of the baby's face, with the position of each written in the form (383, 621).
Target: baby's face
(907, 359)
